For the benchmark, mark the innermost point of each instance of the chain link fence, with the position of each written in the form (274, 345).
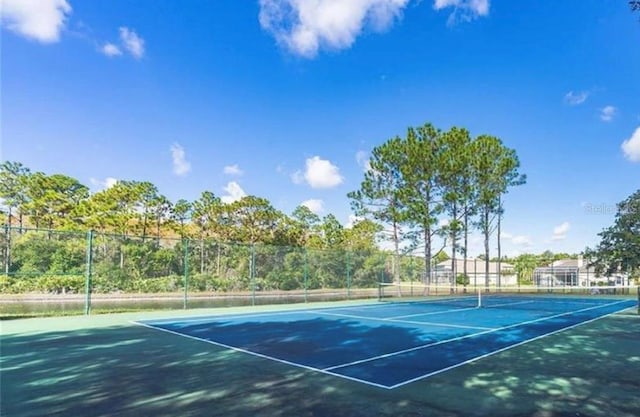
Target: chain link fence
(87, 272)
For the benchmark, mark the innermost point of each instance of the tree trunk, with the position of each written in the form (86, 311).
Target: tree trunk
(499, 272)
(396, 254)
(7, 259)
(466, 240)
(454, 241)
(486, 247)
(144, 227)
(427, 252)
(218, 262)
(201, 256)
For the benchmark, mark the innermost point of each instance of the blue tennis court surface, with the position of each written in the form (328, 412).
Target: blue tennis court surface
(392, 344)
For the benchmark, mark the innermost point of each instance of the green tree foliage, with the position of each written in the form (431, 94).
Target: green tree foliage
(495, 170)
(253, 220)
(422, 191)
(379, 197)
(524, 265)
(619, 247)
(180, 215)
(304, 228)
(411, 185)
(13, 183)
(455, 176)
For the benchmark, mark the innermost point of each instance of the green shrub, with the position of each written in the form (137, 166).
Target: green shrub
(61, 284)
(18, 285)
(155, 285)
(462, 279)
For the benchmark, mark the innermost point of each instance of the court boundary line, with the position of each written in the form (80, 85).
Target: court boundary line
(454, 339)
(328, 370)
(261, 355)
(477, 358)
(305, 308)
(455, 310)
(302, 309)
(392, 320)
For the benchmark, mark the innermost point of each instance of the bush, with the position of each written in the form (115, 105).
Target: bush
(61, 284)
(462, 279)
(156, 285)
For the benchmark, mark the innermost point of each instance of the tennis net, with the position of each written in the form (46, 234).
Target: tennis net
(556, 298)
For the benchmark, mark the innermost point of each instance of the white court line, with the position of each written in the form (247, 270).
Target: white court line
(301, 310)
(194, 319)
(260, 355)
(455, 310)
(497, 351)
(209, 317)
(400, 352)
(327, 371)
(510, 304)
(426, 323)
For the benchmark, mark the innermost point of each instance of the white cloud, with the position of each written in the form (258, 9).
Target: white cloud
(297, 177)
(110, 50)
(320, 173)
(521, 240)
(180, 164)
(233, 170)
(352, 220)
(315, 205)
(362, 158)
(303, 26)
(41, 20)
(573, 99)
(518, 240)
(463, 10)
(607, 113)
(132, 42)
(631, 146)
(234, 193)
(560, 231)
(103, 184)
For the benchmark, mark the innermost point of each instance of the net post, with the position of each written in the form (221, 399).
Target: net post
(379, 291)
(479, 298)
(88, 270)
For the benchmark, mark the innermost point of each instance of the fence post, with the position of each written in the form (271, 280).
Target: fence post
(185, 244)
(7, 256)
(306, 274)
(88, 270)
(348, 276)
(252, 274)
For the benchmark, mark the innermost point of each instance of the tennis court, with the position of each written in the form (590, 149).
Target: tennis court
(543, 354)
(389, 345)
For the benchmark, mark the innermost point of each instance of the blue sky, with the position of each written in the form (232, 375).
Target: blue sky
(284, 99)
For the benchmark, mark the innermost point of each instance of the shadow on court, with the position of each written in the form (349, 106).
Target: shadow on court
(127, 370)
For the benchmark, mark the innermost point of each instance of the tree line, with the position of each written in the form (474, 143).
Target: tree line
(428, 183)
(438, 183)
(411, 184)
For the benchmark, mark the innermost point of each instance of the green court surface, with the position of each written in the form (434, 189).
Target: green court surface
(106, 365)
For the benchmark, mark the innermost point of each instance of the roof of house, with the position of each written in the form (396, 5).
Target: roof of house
(473, 266)
(572, 263)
